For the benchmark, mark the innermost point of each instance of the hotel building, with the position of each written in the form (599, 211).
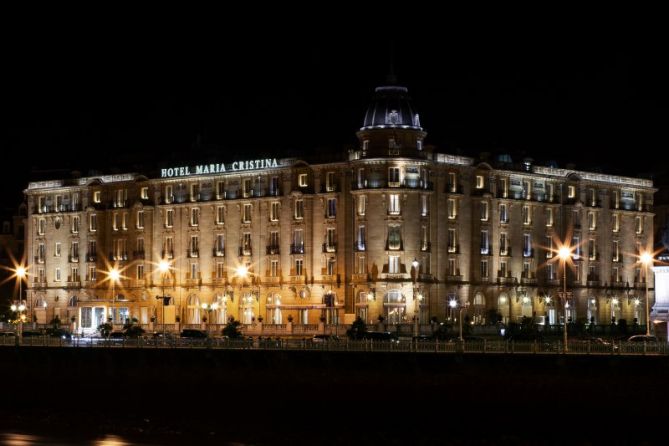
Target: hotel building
(394, 229)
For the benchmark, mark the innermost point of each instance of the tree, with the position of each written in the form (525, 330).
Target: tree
(105, 329)
(232, 329)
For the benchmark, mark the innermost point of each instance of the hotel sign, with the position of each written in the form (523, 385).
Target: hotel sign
(204, 169)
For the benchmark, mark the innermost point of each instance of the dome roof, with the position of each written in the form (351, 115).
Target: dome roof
(391, 108)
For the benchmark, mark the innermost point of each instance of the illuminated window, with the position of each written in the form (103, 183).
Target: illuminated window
(302, 180)
(219, 247)
(593, 196)
(615, 225)
(484, 211)
(140, 219)
(452, 182)
(220, 190)
(576, 247)
(246, 187)
(527, 245)
(124, 221)
(93, 222)
(361, 237)
(393, 176)
(394, 237)
(115, 221)
(393, 264)
(57, 275)
(97, 196)
(299, 209)
(169, 218)
(169, 194)
(56, 251)
(424, 206)
(394, 204)
(527, 215)
(274, 268)
(452, 209)
(274, 211)
(485, 242)
(592, 221)
(194, 192)
(592, 249)
(220, 215)
(549, 217)
(330, 185)
(246, 213)
(615, 251)
(505, 187)
(549, 247)
(503, 244)
(41, 226)
(452, 240)
(503, 213)
(194, 216)
(479, 182)
(571, 191)
(298, 266)
(75, 224)
(362, 267)
(638, 223)
(144, 193)
(362, 205)
(140, 272)
(194, 248)
(616, 199)
(331, 211)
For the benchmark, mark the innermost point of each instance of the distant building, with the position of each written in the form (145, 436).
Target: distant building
(392, 230)
(11, 252)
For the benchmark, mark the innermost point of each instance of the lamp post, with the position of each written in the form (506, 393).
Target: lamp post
(646, 258)
(564, 253)
(114, 275)
(164, 267)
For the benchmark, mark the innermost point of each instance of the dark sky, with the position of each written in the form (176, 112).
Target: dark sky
(85, 99)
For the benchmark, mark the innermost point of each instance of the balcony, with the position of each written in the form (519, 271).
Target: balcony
(453, 249)
(193, 253)
(218, 252)
(454, 276)
(121, 256)
(73, 258)
(138, 255)
(91, 257)
(528, 279)
(487, 250)
(193, 281)
(394, 246)
(528, 252)
(505, 278)
(505, 252)
(73, 282)
(273, 250)
(297, 248)
(359, 246)
(245, 251)
(329, 247)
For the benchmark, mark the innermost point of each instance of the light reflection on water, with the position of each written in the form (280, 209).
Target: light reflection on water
(15, 439)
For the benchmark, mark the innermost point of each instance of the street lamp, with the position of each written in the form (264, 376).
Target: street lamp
(114, 276)
(564, 253)
(164, 267)
(647, 259)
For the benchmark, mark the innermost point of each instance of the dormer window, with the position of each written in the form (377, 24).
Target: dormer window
(392, 117)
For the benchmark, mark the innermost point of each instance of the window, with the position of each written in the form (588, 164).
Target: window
(639, 201)
(144, 193)
(220, 270)
(593, 197)
(74, 274)
(362, 267)
(41, 204)
(92, 248)
(140, 219)
(246, 244)
(273, 241)
(452, 182)
(140, 247)
(424, 206)
(527, 245)
(74, 250)
(124, 221)
(452, 209)
(299, 209)
(41, 226)
(246, 213)
(169, 218)
(194, 246)
(424, 238)
(616, 251)
(361, 178)
(615, 225)
(194, 192)
(550, 191)
(527, 215)
(452, 271)
(504, 184)
(56, 251)
(75, 224)
(484, 211)
(549, 217)
(219, 247)
(503, 213)
(298, 240)
(220, 215)
(331, 266)
(503, 244)
(274, 186)
(121, 196)
(394, 204)
(592, 250)
(169, 194)
(526, 270)
(298, 267)
(571, 191)
(503, 269)
(274, 211)
(527, 189)
(393, 264)
(220, 190)
(362, 205)
(193, 271)
(393, 177)
(485, 242)
(331, 240)
(576, 247)
(331, 211)
(274, 268)
(194, 216)
(57, 275)
(638, 224)
(484, 269)
(452, 240)
(479, 182)
(330, 185)
(115, 221)
(246, 187)
(97, 196)
(93, 222)
(169, 247)
(302, 180)
(549, 247)
(615, 274)
(394, 237)
(140, 272)
(361, 238)
(592, 221)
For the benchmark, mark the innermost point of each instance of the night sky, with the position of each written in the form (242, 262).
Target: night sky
(96, 100)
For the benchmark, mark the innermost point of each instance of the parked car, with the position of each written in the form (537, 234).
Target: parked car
(321, 338)
(58, 333)
(642, 338)
(381, 336)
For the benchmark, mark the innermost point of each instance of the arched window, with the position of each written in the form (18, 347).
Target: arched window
(220, 315)
(478, 309)
(193, 307)
(73, 301)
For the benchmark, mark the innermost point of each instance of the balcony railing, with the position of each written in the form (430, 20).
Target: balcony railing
(73, 258)
(138, 255)
(218, 252)
(297, 248)
(245, 251)
(505, 252)
(273, 250)
(359, 246)
(91, 257)
(329, 247)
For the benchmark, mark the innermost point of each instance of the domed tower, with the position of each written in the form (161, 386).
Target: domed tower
(391, 127)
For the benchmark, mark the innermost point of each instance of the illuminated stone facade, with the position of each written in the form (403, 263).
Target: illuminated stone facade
(395, 230)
